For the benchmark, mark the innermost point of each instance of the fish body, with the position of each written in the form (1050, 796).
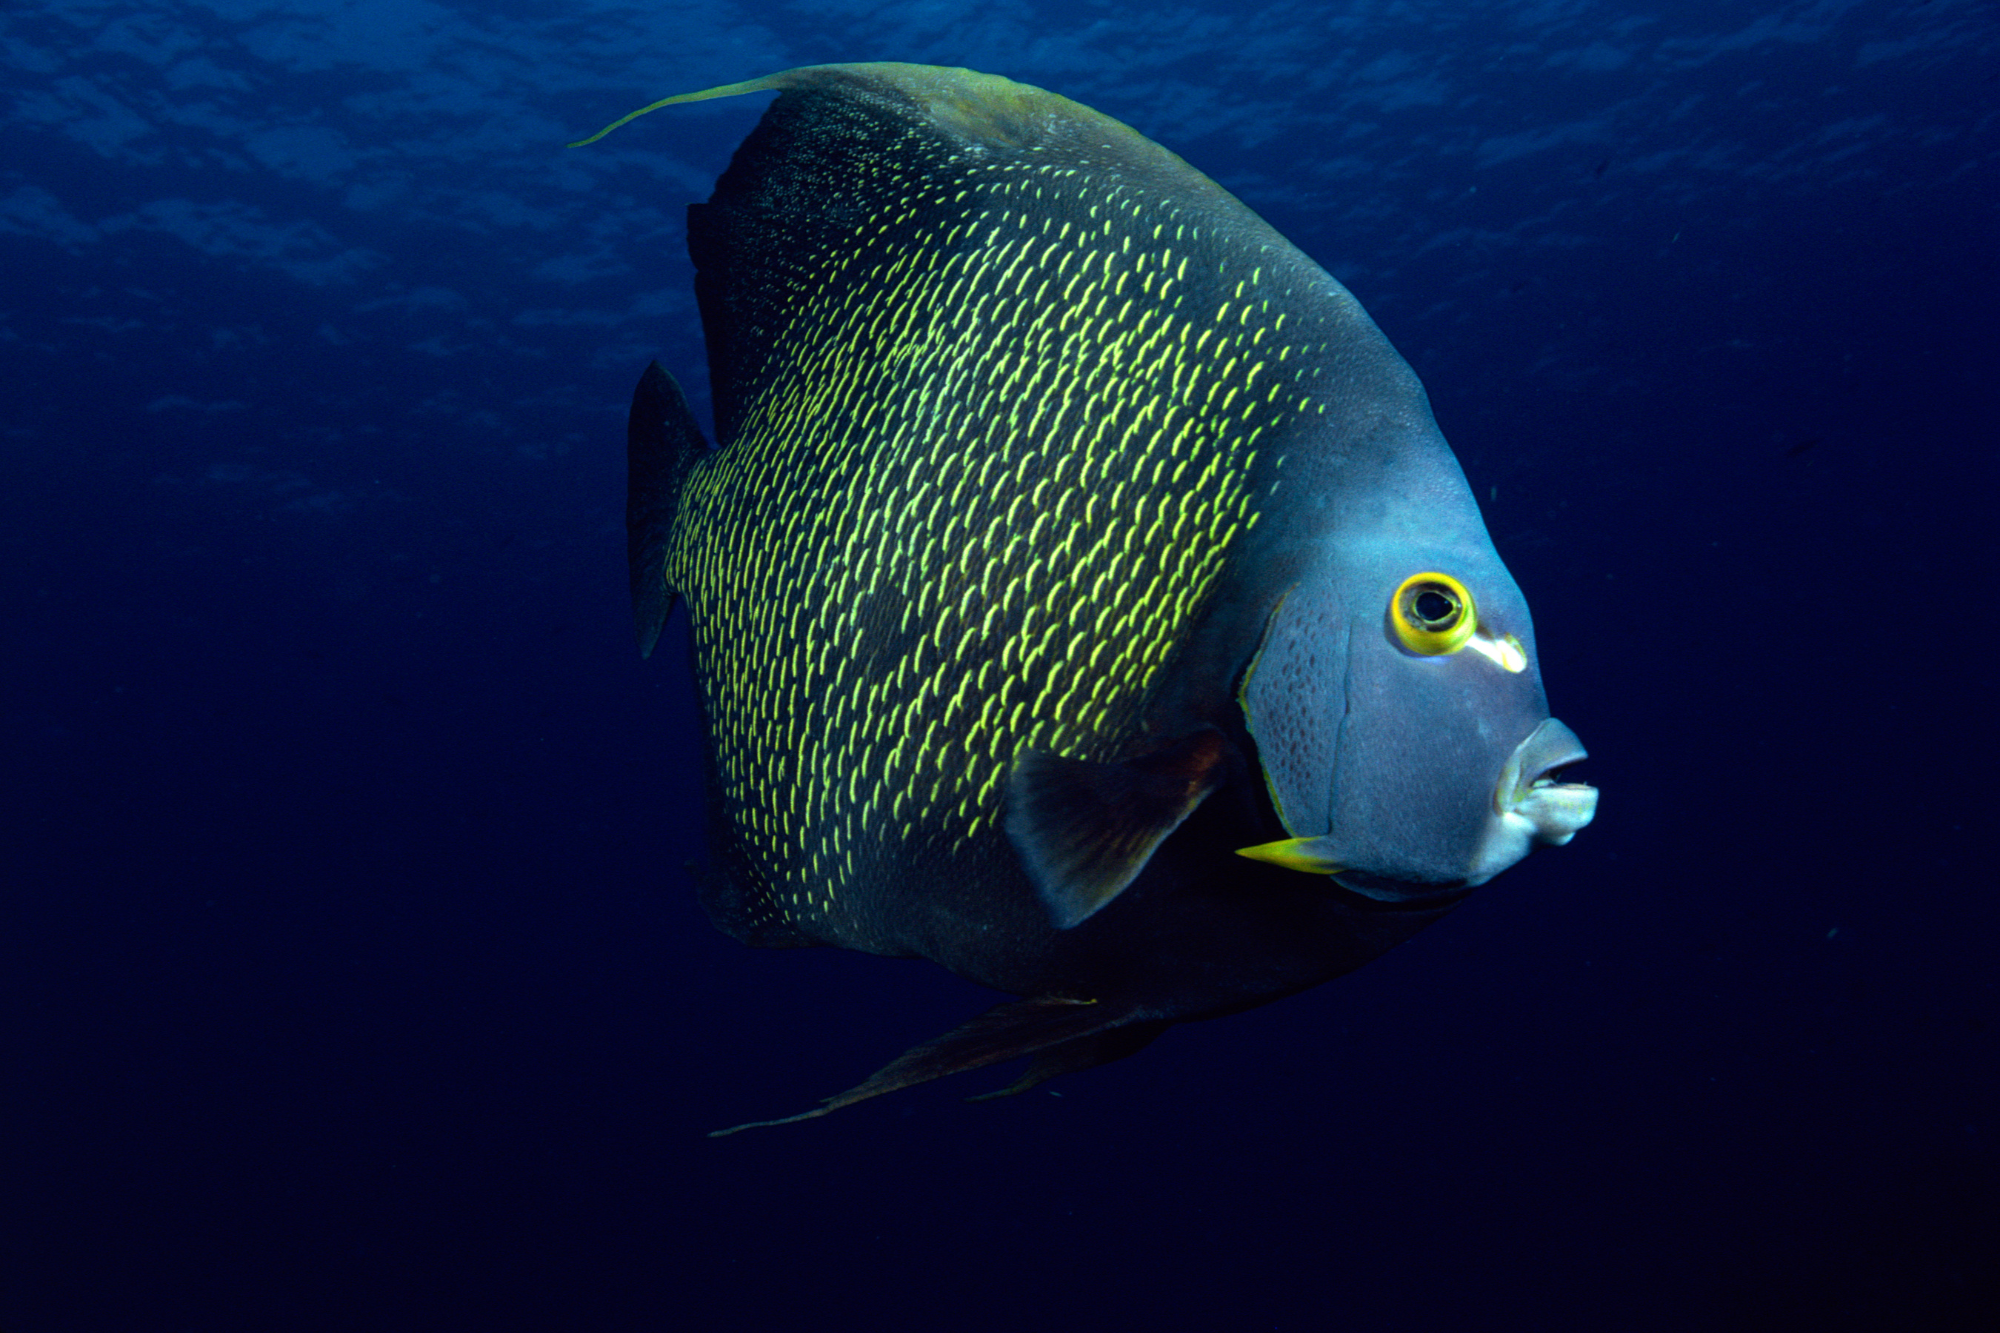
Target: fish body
(1082, 595)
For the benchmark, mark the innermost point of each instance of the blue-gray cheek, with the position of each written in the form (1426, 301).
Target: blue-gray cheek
(1423, 745)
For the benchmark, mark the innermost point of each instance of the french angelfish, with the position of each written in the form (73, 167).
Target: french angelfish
(1082, 595)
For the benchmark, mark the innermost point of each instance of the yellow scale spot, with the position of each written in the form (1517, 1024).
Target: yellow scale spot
(882, 637)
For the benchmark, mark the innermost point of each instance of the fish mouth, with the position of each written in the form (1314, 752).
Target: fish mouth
(1532, 805)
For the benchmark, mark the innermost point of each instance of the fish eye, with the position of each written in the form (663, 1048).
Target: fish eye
(1434, 609)
(1432, 614)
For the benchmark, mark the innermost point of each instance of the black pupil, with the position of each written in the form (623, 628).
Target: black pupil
(1434, 607)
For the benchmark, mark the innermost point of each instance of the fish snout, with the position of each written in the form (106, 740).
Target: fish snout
(1532, 805)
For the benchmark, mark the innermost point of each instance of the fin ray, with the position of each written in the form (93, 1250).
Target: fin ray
(1079, 1053)
(1020, 1027)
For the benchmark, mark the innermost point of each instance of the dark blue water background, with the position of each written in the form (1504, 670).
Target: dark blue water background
(351, 977)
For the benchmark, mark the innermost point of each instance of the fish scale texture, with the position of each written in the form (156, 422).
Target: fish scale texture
(996, 421)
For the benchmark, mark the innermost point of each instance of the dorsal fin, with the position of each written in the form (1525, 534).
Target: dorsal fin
(850, 154)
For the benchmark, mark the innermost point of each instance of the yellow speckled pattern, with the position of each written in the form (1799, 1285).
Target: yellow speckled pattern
(998, 454)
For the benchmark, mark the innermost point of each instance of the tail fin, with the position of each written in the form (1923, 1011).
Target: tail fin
(662, 445)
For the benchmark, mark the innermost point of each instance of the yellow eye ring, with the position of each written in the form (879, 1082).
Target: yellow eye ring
(1433, 614)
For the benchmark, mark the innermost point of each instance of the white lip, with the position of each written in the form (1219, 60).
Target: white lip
(1530, 807)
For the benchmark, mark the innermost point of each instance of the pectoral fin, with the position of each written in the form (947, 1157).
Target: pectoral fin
(1084, 830)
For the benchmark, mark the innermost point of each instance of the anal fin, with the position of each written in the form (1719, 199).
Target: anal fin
(1085, 830)
(1099, 1048)
(1020, 1027)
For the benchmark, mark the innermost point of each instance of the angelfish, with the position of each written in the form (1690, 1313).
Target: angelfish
(1081, 593)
